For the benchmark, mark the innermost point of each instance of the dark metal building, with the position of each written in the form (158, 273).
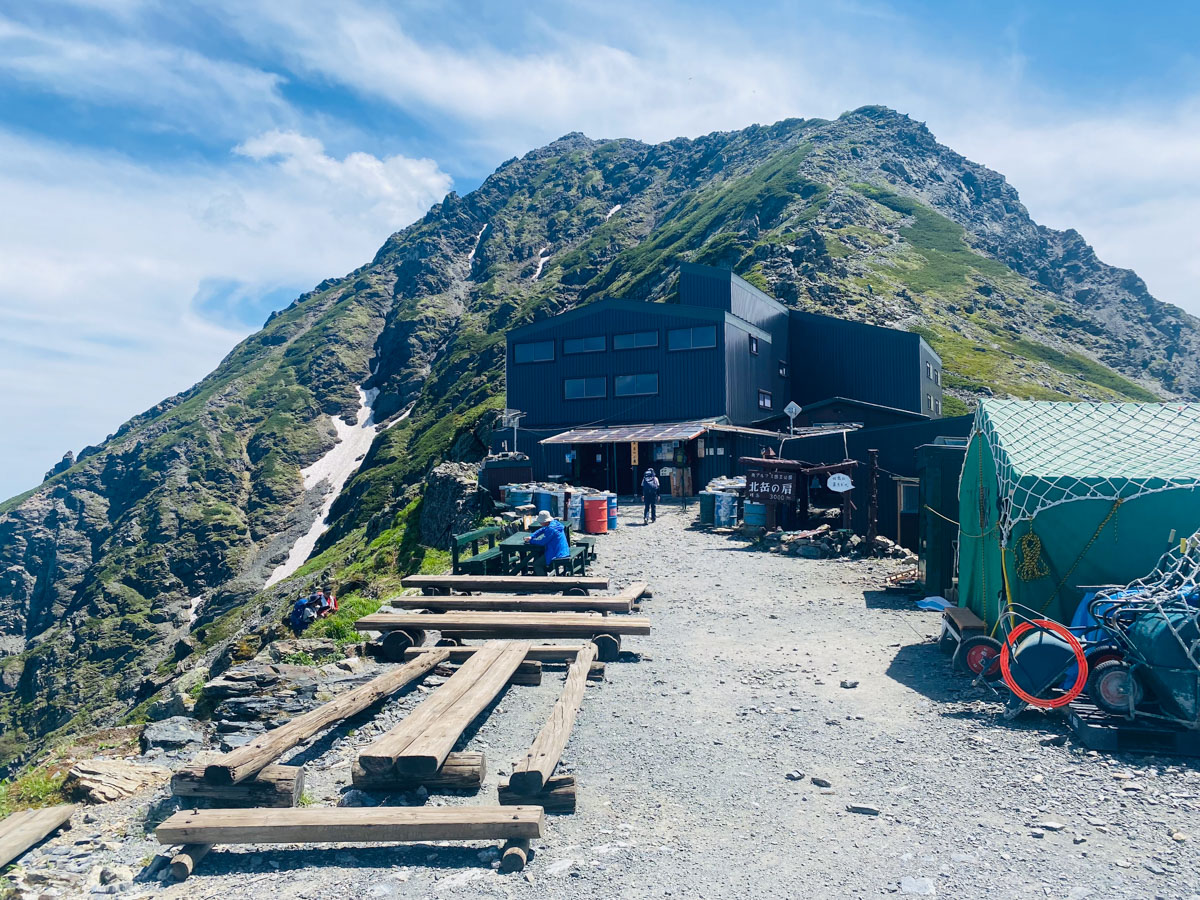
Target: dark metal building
(726, 354)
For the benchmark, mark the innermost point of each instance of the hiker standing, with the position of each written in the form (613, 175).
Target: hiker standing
(649, 490)
(553, 538)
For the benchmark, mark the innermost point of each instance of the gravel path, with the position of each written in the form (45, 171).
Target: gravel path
(689, 762)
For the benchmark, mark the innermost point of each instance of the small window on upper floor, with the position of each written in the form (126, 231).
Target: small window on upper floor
(595, 344)
(754, 345)
(929, 370)
(698, 338)
(937, 377)
(937, 406)
(764, 399)
(584, 388)
(635, 340)
(783, 369)
(538, 351)
(929, 402)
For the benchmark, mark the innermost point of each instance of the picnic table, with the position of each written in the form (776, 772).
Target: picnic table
(518, 555)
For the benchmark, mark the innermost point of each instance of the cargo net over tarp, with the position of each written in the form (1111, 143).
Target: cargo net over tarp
(1049, 453)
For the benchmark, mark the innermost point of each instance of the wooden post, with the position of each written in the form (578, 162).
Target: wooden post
(184, 862)
(272, 786)
(244, 762)
(873, 493)
(515, 855)
(461, 771)
(531, 773)
(556, 796)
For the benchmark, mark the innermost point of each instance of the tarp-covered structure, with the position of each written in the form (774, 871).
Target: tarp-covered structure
(1055, 496)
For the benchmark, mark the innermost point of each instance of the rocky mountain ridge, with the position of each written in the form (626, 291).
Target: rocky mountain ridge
(145, 557)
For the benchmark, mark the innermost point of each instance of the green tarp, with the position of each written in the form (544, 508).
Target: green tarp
(1055, 496)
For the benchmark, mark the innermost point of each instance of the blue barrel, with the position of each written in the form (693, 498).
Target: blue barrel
(725, 510)
(708, 505)
(544, 500)
(755, 514)
(519, 498)
(612, 511)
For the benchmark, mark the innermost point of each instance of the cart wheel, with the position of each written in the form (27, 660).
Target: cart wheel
(435, 591)
(575, 592)
(979, 655)
(396, 642)
(1114, 688)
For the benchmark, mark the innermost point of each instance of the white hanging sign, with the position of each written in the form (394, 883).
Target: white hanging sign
(839, 482)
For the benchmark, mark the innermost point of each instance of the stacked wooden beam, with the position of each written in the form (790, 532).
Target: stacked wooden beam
(621, 602)
(532, 776)
(28, 827)
(199, 830)
(421, 742)
(502, 584)
(246, 777)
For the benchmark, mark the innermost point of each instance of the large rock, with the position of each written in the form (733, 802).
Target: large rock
(177, 731)
(454, 502)
(105, 780)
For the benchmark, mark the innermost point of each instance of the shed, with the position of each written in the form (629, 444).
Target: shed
(1055, 496)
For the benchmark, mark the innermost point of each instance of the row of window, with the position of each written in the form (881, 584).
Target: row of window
(596, 387)
(698, 338)
(934, 375)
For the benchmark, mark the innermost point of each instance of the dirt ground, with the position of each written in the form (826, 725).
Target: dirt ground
(702, 762)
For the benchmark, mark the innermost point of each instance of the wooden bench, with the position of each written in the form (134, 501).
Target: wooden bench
(958, 624)
(504, 584)
(485, 563)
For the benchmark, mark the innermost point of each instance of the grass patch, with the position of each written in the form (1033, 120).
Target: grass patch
(36, 788)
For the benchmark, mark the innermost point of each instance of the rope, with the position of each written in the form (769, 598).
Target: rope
(1031, 567)
(1112, 512)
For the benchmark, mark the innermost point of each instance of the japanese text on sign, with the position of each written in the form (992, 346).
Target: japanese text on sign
(772, 486)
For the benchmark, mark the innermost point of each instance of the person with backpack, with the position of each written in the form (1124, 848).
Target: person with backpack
(649, 491)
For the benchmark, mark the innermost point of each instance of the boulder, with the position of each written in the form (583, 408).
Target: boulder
(105, 780)
(172, 705)
(177, 731)
(453, 503)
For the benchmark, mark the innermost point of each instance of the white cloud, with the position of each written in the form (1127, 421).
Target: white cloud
(103, 259)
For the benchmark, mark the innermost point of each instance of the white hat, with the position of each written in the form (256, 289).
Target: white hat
(544, 518)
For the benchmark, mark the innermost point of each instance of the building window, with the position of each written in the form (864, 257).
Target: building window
(692, 338)
(764, 399)
(937, 407)
(584, 388)
(909, 497)
(937, 377)
(635, 340)
(754, 345)
(783, 369)
(541, 351)
(929, 402)
(635, 385)
(595, 344)
(929, 370)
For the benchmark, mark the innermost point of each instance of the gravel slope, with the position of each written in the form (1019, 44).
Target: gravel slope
(684, 755)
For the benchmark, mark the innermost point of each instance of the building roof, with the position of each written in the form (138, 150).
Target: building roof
(727, 275)
(639, 307)
(863, 404)
(625, 434)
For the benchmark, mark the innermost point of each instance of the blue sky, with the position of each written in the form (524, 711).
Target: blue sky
(171, 171)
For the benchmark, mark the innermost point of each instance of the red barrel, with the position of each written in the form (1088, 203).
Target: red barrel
(595, 515)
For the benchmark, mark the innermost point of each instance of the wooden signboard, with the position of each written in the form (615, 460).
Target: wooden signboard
(633, 453)
(770, 486)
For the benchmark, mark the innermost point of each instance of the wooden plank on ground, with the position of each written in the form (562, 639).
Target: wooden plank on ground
(514, 603)
(350, 824)
(507, 584)
(556, 796)
(538, 652)
(240, 764)
(461, 771)
(27, 827)
(272, 786)
(523, 624)
(425, 755)
(380, 756)
(531, 773)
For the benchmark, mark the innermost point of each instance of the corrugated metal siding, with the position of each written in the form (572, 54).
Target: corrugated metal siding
(833, 357)
(691, 384)
(745, 373)
(930, 387)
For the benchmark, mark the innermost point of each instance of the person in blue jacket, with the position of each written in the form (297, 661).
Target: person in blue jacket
(552, 538)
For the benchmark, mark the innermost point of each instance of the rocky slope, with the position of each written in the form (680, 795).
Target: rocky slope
(146, 555)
